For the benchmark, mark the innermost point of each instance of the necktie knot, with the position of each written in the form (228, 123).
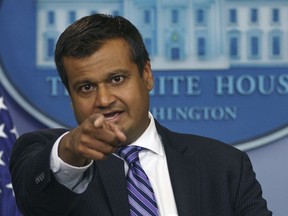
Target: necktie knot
(129, 153)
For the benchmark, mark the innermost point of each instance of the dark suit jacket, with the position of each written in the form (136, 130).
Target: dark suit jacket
(208, 178)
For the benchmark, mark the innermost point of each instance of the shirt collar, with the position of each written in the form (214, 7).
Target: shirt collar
(150, 139)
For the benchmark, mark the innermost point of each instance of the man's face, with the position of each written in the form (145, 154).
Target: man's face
(109, 82)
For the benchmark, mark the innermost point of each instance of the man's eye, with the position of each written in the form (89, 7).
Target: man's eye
(117, 79)
(86, 88)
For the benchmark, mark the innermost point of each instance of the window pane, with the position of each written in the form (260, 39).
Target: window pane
(175, 16)
(175, 53)
(233, 46)
(275, 15)
(276, 45)
(254, 15)
(50, 47)
(233, 16)
(201, 46)
(93, 12)
(148, 44)
(147, 17)
(115, 13)
(72, 16)
(254, 46)
(200, 19)
(51, 17)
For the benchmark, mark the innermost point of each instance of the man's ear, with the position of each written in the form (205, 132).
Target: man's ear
(148, 76)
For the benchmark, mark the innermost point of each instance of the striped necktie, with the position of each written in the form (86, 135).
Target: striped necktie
(140, 193)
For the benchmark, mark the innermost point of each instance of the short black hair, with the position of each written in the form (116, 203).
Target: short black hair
(85, 36)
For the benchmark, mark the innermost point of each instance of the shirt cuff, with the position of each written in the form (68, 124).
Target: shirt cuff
(67, 175)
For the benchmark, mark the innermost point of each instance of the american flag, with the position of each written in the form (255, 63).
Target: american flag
(8, 136)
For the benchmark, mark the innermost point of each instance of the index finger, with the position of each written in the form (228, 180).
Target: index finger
(119, 134)
(100, 122)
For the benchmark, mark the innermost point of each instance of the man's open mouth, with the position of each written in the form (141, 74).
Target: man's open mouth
(112, 115)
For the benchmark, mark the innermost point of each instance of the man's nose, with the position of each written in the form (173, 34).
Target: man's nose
(104, 97)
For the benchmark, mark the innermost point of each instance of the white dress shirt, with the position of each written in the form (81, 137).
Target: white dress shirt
(152, 159)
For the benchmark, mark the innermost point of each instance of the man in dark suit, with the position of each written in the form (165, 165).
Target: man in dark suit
(105, 67)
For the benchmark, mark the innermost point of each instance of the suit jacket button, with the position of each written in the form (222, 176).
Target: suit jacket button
(40, 178)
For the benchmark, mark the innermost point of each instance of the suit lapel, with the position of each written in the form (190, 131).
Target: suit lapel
(183, 166)
(184, 175)
(114, 181)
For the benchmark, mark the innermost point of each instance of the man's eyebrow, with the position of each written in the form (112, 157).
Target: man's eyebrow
(80, 82)
(117, 72)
